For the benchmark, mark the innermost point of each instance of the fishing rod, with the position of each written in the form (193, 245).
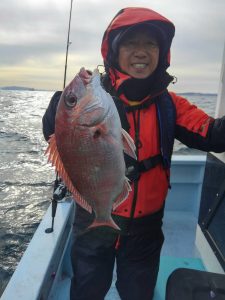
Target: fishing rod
(59, 189)
(67, 44)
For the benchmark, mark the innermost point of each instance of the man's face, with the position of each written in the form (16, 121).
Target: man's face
(138, 54)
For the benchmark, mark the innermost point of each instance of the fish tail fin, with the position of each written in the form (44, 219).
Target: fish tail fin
(104, 223)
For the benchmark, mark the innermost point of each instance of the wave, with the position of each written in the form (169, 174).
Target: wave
(15, 135)
(31, 184)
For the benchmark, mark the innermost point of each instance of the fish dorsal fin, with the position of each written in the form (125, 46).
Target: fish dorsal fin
(55, 159)
(128, 144)
(123, 196)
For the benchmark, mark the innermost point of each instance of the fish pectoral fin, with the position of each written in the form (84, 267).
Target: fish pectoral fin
(124, 194)
(56, 161)
(128, 144)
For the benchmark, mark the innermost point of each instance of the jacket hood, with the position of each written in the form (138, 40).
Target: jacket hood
(130, 16)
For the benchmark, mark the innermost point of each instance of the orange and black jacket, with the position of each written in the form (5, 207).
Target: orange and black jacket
(153, 123)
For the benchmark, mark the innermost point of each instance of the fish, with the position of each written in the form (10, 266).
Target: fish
(88, 145)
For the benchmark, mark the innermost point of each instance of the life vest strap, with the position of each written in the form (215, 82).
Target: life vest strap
(135, 168)
(149, 163)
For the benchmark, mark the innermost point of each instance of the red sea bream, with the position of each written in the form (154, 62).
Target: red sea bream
(87, 147)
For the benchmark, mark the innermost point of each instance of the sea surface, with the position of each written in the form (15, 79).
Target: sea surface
(26, 180)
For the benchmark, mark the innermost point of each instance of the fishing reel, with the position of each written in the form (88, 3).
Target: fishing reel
(59, 193)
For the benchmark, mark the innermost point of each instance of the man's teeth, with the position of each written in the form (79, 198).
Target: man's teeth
(139, 66)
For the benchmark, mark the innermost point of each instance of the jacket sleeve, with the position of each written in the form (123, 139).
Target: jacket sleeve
(48, 120)
(196, 129)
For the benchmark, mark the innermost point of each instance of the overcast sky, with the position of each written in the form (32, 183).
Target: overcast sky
(33, 35)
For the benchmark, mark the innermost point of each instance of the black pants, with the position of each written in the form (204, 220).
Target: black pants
(93, 258)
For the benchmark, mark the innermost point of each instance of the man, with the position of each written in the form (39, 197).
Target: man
(136, 53)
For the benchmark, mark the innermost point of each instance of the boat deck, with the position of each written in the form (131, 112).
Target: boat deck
(53, 267)
(178, 251)
(179, 230)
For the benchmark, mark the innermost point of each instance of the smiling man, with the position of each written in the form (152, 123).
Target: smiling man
(136, 54)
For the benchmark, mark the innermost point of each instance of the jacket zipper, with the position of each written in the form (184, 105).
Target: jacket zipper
(138, 145)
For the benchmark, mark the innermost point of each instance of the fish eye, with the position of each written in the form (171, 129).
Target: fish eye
(70, 100)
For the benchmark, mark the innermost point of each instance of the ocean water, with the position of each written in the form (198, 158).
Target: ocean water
(26, 180)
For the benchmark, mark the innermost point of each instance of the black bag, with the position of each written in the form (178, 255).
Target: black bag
(189, 284)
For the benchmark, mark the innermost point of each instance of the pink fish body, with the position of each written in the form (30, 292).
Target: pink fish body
(87, 147)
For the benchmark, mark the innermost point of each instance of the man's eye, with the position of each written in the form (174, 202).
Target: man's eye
(131, 43)
(152, 45)
(128, 43)
(70, 100)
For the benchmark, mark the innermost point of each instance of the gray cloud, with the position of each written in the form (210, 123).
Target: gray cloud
(36, 30)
